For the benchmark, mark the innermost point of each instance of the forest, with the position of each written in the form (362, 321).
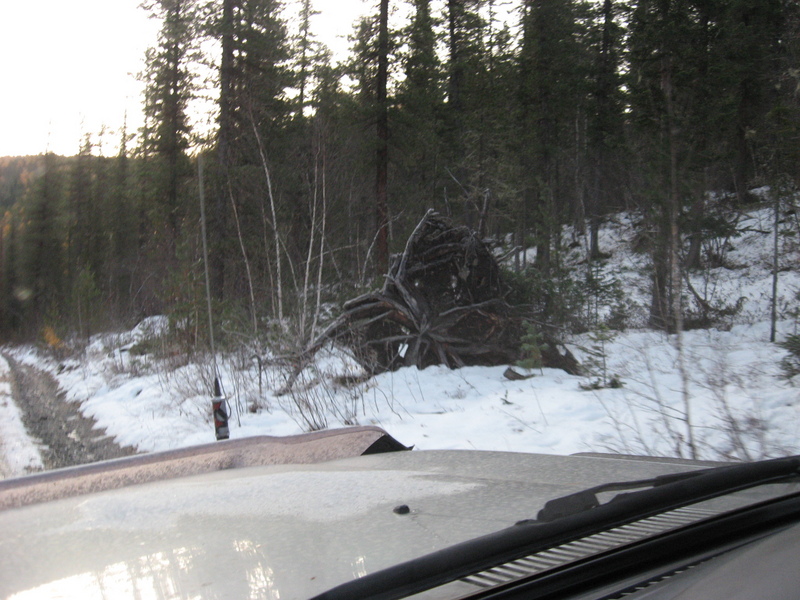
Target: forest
(529, 121)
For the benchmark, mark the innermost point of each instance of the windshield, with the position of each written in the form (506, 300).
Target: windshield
(534, 227)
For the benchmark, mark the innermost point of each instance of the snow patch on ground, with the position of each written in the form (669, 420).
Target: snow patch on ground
(739, 406)
(727, 398)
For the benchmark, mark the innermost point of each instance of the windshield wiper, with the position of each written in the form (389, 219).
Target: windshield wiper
(587, 499)
(571, 517)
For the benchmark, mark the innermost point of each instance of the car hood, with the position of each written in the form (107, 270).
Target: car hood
(281, 531)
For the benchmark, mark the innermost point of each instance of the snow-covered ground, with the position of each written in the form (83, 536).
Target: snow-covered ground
(724, 394)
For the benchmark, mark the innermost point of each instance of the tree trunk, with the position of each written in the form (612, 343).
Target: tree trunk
(224, 136)
(456, 80)
(381, 179)
(674, 207)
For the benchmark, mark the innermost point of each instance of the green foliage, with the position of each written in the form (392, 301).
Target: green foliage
(416, 128)
(143, 347)
(520, 286)
(794, 311)
(790, 364)
(17, 173)
(86, 302)
(41, 258)
(606, 304)
(569, 299)
(531, 346)
(557, 297)
(596, 360)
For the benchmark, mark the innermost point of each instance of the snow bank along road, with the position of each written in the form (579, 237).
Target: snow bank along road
(34, 409)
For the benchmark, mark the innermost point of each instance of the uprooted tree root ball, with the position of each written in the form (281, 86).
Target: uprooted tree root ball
(443, 303)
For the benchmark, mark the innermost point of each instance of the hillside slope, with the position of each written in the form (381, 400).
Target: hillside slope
(723, 396)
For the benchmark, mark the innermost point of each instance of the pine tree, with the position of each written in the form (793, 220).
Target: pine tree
(751, 47)
(307, 52)
(370, 67)
(551, 98)
(254, 114)
(122, 231)
(493, 188)
(665, 82)
(344, 153)
(218, 227)
(41, 258)
(605, 135)
(778, 153)
(259, 76)
(465, 70)
(170, 86)
(8, 279)
(382, 146)
(465, 27)
(417, 117)
(699, 81)
(82, 211)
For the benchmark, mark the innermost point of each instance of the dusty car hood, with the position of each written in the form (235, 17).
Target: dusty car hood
(281, 531)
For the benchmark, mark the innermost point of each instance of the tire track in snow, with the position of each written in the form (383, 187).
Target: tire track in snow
(66, 436)
(19, 454)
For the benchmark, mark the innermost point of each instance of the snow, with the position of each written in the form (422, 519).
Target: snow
(19, 454)
(727, 394)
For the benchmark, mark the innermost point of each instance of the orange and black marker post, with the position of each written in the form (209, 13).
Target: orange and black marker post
(219, 405)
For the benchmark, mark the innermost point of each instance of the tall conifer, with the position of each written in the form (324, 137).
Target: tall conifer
(170, 86)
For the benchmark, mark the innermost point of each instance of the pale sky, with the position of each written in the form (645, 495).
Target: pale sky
(68, 67)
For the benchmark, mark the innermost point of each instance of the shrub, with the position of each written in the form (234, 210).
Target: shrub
(554, 298)
(605, 300)
(531, 346)
(596, 362)
(790, 364)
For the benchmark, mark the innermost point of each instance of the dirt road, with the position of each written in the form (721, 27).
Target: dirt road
(68, 438)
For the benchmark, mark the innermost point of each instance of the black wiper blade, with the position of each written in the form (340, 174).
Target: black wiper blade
(587, 499)
(528, 537)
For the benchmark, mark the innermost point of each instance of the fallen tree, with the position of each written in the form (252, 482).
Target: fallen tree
(443, 303)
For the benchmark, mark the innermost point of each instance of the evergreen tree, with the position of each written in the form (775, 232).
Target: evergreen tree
(41, 258)
(699, 89)
(492, 184)
(170, 86)
(465, 42)
(751, 48)
(605, 138)
(260, 76)
(307, 53)
(122, 232)
(667, 58)
(382, 146)
(254, 117)
(551, 99)
(465, 73)
(374, 48)
(417, 117)
(9, 312)
(218, 227)
(778, 152)
(82, 213)
(343, 150)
